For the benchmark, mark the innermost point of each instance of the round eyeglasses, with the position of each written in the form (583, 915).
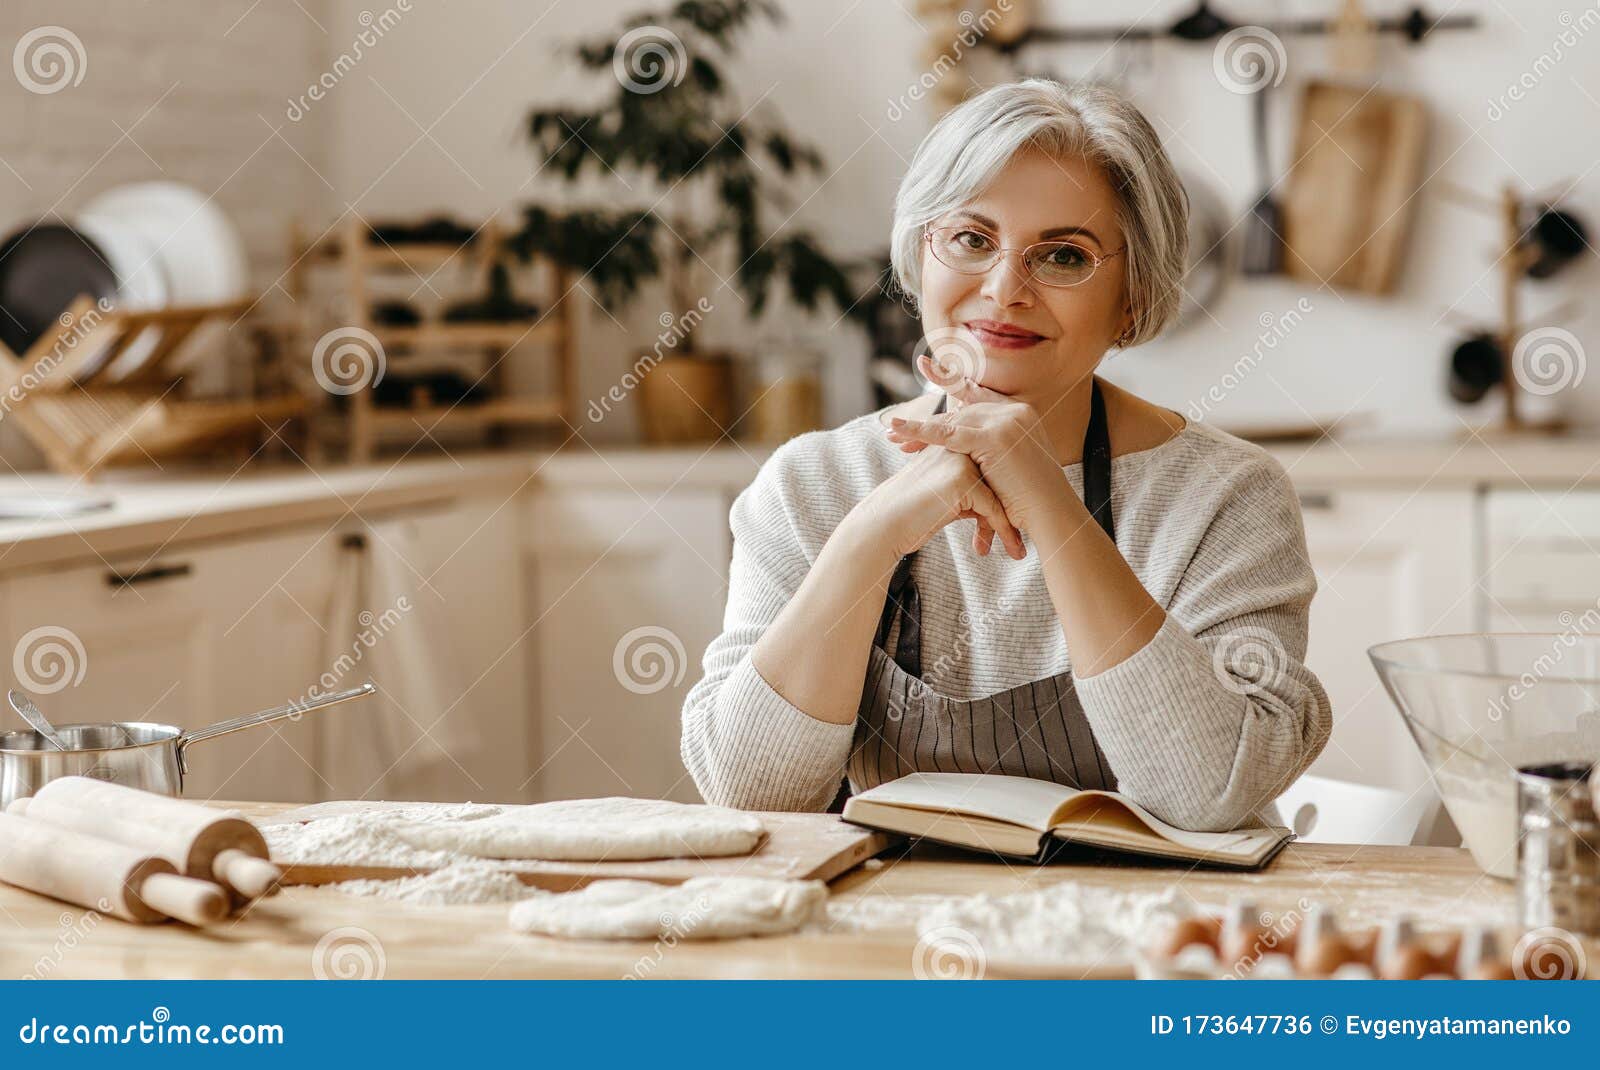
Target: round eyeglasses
(1050, 263)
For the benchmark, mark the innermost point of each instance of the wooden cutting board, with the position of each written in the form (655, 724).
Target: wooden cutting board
(796, 847)
(1351, 191)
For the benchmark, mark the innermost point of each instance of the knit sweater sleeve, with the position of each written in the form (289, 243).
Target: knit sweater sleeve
(1217, 714)
(744, 744)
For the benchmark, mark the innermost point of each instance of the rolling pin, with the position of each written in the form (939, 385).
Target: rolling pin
(200, 841)
(124, 881)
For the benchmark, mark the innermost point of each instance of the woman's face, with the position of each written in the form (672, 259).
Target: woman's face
(1034, 341)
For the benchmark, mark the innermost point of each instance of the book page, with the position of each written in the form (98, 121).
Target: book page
(1030, 803)
(1091, 808)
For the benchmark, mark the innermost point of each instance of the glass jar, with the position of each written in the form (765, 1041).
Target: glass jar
(785, 390)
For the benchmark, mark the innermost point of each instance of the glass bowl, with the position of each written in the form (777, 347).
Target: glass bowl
(1481, 705)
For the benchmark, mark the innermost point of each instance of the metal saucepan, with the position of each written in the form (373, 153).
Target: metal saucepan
(138, 754)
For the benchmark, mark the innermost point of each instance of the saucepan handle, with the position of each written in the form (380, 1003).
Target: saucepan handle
(277, 713)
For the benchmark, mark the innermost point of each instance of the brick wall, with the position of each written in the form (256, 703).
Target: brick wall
(194, 91)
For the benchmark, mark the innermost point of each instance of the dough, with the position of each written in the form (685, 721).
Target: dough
(594, 830)
(702, 908)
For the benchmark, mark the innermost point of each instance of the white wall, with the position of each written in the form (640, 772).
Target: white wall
(835, 66)
(187, 90)
(466, 72)
(183, 90)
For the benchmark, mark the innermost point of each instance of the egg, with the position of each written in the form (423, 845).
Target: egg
(1450, 952)
(1244, 938)
(1410, 962)
(1200, 929)
(1400, 956)
(1479, 956)
(1320, 950)
(1288, 939)
(1491, 971)
(1363, 946)
(1322, 956)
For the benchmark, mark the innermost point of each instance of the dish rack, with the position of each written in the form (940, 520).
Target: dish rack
(361, 261)
(69, 394)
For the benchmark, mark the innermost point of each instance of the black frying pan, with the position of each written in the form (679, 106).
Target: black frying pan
(43, 269)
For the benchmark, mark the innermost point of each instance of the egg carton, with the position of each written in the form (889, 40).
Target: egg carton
(1245, 943)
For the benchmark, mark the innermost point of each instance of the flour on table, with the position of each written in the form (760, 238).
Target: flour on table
(592, 830)
(878, 913)
(1065, 922)
(702, 908)
(369, 838)
(459, 883)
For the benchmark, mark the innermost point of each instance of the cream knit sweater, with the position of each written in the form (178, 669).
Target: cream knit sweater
(1205, 725)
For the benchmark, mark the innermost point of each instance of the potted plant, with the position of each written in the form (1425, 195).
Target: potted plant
(673, 121)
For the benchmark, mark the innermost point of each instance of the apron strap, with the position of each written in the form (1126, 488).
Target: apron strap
(1097, 463)
(904, 597)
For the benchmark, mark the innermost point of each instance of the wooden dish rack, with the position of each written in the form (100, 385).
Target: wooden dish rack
(64, 398)
(359, 259)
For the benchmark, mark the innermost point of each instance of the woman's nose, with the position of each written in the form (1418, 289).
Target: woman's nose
(1007, 282)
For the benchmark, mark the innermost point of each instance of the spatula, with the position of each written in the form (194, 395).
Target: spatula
(1263, 249)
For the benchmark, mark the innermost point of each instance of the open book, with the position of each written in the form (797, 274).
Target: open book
(1018, 816)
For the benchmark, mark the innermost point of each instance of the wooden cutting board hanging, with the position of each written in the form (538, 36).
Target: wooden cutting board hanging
(1357, 165)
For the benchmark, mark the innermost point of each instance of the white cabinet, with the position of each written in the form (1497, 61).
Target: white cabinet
(1389, 565)
(200, 634)
(213, 630)
(459, 567)
(627, 590)
(1543, 554)
(267, 600)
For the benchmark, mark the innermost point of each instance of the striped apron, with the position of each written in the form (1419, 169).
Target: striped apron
(1036, 729)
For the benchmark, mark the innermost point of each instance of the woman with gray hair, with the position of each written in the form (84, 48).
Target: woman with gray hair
(1144, 628)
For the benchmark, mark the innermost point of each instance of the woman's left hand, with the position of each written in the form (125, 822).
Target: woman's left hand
(1006, 440)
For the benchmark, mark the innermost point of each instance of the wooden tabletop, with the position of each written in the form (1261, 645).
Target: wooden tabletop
(303, 929)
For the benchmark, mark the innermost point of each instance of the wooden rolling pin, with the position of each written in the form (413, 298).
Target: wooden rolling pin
(200, 841)
(111, 877)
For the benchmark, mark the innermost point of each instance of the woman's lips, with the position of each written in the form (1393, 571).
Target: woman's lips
(1002, 336)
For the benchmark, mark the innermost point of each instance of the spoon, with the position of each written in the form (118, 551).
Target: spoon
(35, 717)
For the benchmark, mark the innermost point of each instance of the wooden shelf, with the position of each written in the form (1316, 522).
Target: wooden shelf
(470, 334)
(407, 256)
(482, 414)
(359, 265)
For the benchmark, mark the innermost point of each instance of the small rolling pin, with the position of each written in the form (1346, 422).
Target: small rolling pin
(200, 841)
(125, 881)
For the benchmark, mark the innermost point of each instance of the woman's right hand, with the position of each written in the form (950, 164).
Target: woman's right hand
(936, 489)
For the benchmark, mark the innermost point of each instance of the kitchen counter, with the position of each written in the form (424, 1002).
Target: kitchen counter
(154, 508)
(279, 936)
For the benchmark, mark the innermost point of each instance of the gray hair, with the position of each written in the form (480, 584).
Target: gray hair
(968, 148)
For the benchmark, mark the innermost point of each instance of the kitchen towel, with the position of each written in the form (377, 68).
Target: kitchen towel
(388, 624)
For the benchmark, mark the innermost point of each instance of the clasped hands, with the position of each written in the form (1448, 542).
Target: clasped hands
(990, 459)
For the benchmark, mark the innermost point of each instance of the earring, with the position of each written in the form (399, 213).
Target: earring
(1124, 338)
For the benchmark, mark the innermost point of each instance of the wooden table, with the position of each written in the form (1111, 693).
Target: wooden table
(280, 936)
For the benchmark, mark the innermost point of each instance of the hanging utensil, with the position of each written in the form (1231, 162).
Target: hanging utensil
(1263, 248)
(35, 717)
(1201, 24)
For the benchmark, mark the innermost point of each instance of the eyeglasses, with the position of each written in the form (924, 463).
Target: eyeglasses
(1050, 263)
